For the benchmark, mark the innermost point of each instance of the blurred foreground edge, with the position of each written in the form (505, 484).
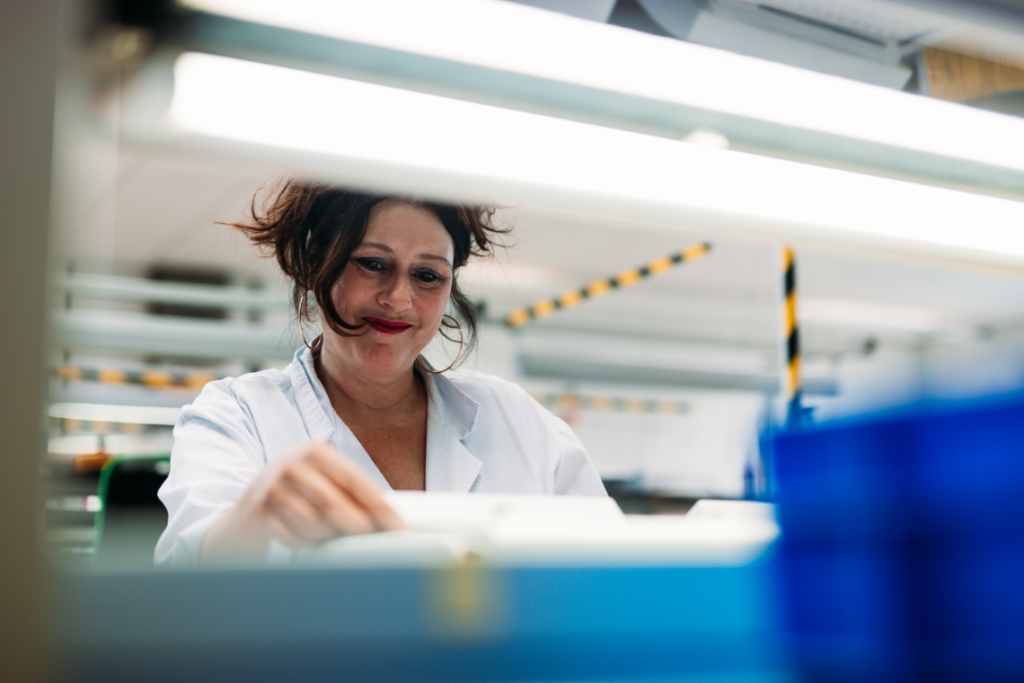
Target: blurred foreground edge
(461, 623)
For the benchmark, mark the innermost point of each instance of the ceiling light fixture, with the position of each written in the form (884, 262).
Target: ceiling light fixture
(411, 141)
(513, 38)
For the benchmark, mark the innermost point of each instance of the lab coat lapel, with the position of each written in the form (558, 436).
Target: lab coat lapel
(309, 395)
(450, 466)
(450, 417)
(348, 444)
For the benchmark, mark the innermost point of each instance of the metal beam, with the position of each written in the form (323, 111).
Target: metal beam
(172, 336)
(92, 286)
(541, 366)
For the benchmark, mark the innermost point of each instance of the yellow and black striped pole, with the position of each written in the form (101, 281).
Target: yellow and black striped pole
(792, 334)
(627, 278)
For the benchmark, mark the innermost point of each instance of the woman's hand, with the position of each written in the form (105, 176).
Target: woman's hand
(306, 495)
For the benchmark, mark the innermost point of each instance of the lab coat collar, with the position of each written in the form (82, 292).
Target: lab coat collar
(451, 415)
(311, 397)
(459, 409)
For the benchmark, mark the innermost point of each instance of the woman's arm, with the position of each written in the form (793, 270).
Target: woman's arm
(223, 485)
(307, 495)
(576, 474)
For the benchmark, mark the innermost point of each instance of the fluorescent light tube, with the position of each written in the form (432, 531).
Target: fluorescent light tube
(509, 37)
(489, 149)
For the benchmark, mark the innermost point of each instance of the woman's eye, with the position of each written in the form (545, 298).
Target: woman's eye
(371, 263)
(429, 277)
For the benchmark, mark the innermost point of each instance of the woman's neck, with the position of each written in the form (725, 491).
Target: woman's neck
(356, 396)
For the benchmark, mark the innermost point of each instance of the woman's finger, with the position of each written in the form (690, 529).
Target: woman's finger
(284, 534)
(334, 505)
(311, 482)
(297, 534)
(359, 488)
(345, 515)
(302, 518)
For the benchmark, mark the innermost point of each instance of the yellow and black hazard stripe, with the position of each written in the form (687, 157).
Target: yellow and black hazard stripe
(627, 278)
(72, 425)
(149, 378)
(792, 334)
(571, 401)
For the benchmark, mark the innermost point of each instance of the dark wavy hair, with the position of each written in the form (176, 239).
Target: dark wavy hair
(313, 228)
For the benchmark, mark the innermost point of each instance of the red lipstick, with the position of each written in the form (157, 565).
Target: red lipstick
(387, 326)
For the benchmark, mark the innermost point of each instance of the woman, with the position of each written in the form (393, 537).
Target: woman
(300, 456)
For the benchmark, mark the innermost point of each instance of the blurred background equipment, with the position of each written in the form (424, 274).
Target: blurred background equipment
(130, 517)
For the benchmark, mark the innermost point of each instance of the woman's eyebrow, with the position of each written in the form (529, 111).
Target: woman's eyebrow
(385, 248)
(435, 257)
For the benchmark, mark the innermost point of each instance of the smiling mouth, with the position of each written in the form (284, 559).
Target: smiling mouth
(387, 326)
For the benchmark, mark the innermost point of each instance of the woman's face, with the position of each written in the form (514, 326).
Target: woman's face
(397, 285)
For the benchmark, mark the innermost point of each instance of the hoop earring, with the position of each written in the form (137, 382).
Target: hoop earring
(319, 341)
(462, 341)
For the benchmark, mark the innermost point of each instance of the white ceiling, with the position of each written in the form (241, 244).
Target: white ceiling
(166, 205)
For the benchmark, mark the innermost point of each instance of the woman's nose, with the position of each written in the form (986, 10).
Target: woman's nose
(397, 293)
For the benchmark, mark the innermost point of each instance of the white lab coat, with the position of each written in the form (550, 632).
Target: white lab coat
(483, 435)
